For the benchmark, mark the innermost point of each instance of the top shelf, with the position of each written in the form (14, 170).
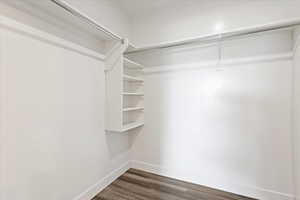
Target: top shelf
(51, 18)
(132, 65)
(132, 78)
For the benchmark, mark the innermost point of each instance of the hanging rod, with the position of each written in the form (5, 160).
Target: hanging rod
(221, 36)
(85, 18)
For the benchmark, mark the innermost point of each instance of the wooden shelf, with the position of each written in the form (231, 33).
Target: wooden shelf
(132, 65)
(132, 78)
(133, 94)
(132, 109)
(133, 125)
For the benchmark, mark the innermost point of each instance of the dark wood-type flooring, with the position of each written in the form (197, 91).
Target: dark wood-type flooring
(140, 185)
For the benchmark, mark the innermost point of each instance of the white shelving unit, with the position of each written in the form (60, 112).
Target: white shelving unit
(132, 78)
(133, 125)
(132, 65)
(125, 95)
(133, 94)
(132, 109)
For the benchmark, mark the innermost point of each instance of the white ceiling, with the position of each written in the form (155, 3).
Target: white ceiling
(137, 8)
(134, 8)
(141, 7)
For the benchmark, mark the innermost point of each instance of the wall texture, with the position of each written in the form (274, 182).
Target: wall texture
(52, 120)
(296, 116)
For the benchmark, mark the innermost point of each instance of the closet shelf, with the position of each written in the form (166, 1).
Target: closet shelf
(133, 125)
(133, 109)
(132, 65)
(132, 78)
(132, 94)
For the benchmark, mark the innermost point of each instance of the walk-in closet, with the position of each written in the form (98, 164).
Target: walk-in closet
(149, 100)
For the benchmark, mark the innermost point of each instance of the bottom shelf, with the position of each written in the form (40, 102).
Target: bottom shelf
(132, 125)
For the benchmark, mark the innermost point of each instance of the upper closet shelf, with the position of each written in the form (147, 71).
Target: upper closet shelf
(132, 78)
(132, 94)
(132, 65)
(132, 125)
(133, 109)
(64, 20)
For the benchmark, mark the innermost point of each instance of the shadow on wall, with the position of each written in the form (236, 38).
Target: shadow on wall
(118, 143)
(222, 128)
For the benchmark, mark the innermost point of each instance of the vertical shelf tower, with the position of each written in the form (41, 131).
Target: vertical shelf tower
(124, 92)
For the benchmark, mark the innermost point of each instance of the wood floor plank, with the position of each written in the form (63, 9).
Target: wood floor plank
(179, 191)
(139, 185)
(189, 185)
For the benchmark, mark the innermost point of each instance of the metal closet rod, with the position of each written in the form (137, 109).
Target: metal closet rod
(76, 13)
(220, 36)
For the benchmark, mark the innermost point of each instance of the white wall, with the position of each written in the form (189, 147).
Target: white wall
(52, 119)
(296, 114)
(226, 127)
(197, 18)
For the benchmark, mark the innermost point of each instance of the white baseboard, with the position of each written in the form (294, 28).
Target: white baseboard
(254, 192)
(103, 183)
